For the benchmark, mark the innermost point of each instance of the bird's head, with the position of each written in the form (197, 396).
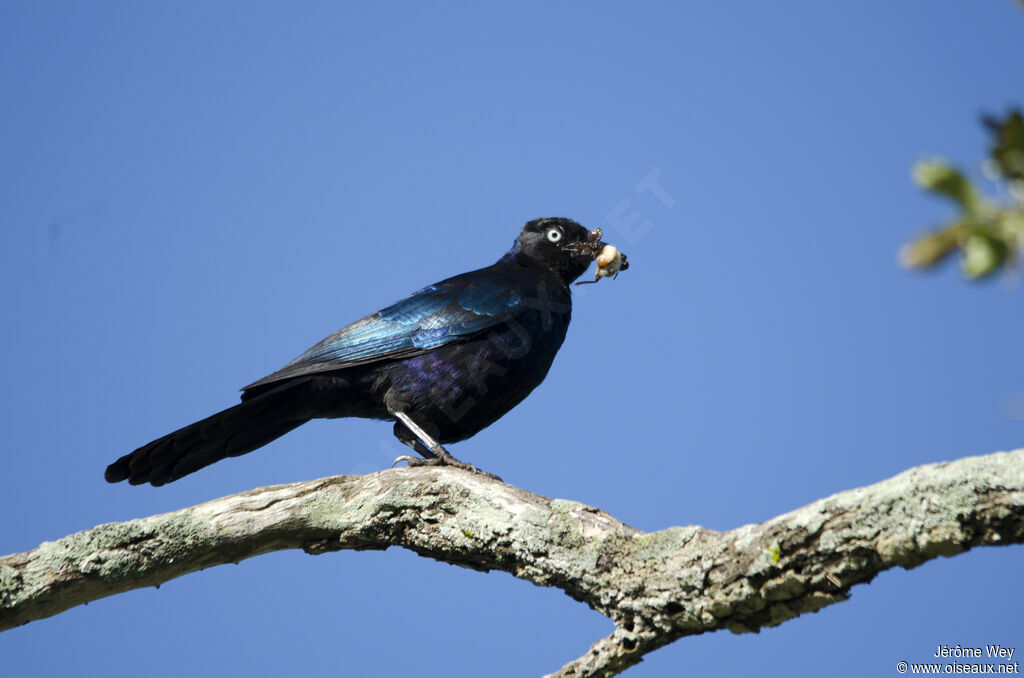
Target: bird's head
(561, 245)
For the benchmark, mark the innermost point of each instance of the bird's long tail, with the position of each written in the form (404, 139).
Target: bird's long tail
(230, 433)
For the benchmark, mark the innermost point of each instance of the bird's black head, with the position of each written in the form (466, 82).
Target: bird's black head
(561, 245)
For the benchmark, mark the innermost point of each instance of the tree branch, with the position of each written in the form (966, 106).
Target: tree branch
(656, 587)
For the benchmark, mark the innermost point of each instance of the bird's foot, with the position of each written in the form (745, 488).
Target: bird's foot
(432, 451)
(446, 460)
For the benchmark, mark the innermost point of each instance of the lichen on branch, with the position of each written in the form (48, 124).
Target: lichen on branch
(657, 587)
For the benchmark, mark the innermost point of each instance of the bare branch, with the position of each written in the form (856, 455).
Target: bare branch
(656, 587)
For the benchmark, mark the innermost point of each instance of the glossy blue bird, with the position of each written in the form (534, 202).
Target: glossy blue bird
(443, 363)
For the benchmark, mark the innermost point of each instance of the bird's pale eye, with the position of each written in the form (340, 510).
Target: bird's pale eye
(554, 235)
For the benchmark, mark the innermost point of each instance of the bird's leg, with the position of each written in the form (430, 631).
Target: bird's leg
(434, 454)
(420, 448)
(436, 451)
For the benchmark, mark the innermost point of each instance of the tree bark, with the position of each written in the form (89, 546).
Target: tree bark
(657, 587)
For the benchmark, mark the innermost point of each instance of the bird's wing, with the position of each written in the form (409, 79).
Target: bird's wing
(438, 314)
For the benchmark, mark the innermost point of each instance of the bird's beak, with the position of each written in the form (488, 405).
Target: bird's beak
(592, 246)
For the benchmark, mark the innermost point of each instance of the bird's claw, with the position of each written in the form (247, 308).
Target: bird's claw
(433, 452)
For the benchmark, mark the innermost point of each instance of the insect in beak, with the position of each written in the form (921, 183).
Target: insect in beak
(610, 261)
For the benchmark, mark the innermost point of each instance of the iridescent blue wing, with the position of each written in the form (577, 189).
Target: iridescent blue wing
(438, 314)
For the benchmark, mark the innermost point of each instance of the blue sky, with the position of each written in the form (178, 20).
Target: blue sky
(194, 193)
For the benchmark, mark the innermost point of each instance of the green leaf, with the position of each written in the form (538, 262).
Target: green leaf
(931, 248)
(1013, 224)
(1007, 143)
(983, 256)
(939, 177)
